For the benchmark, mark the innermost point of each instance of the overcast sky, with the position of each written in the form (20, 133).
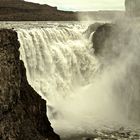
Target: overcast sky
(84, 5)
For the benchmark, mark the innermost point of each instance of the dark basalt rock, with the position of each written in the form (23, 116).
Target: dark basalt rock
(102, 33)
(92, 28)
(22, 110)
(110, 38)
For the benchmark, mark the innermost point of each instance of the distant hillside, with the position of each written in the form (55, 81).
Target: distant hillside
(19, 10)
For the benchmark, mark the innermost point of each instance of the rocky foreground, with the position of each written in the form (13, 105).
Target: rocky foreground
(120, 134)
(22, 110)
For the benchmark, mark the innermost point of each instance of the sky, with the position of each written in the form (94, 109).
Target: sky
(84, 5)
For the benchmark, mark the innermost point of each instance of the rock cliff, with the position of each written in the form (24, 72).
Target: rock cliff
(22, 110)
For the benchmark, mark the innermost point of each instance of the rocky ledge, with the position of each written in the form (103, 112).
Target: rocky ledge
(22, 110)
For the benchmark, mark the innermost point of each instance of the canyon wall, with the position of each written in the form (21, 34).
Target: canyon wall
(22, 110)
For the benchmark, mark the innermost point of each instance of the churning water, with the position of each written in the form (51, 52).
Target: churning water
(81, 95)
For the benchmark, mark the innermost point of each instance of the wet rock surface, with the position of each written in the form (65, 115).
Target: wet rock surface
(101, 36)
(92, 28)
(22, 110)
(120, 134)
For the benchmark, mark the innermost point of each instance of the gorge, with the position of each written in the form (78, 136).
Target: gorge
(88, 74)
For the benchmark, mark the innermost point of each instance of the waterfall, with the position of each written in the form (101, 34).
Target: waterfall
(62, 68)
(57, 60)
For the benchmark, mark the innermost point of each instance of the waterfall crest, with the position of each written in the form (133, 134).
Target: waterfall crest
(57, 60)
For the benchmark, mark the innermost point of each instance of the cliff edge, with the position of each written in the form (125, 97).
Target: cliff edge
(22, 110)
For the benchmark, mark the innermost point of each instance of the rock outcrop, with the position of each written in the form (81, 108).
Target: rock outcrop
(101, 36)
(117, 47)
(111, 35)
(92, 28)
(22, 110)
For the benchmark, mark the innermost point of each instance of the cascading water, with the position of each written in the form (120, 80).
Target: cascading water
(57, 60)
(62, 68)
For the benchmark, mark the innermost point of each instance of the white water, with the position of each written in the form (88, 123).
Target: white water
(57, 60)
(62, 68)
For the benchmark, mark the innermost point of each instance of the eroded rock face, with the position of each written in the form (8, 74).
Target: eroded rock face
(92, 28)
(101, 36)
(22, 111)
(110, 38)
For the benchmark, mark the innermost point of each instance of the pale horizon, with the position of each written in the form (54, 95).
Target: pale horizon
(87, 5)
